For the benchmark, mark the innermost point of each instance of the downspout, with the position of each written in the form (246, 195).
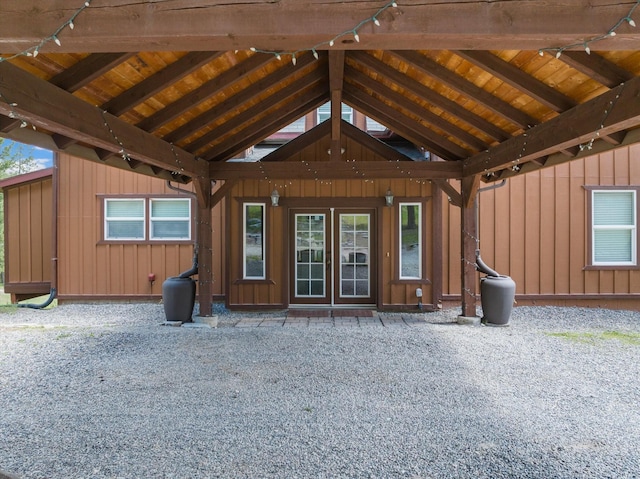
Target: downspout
(194, 267)
(481, 265)
(53, 292)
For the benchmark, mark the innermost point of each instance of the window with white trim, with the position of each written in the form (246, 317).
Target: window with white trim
(253, 251)
(124, 219)
(410, 215)
(324, 112)
(143, 219)
(614, 224)
(170, 219)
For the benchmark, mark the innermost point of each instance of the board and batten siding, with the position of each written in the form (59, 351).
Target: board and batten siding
(535, 229)
(342, 194)
(90, 268)
(28, 226)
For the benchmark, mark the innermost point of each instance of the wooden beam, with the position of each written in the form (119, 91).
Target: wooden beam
(617, 109)
(222, 192)
(55, 110)
(455, 198)
(518, 79)
(158, 82)
(596, 67)
(441, 74)
(327, 170)
(88, 69)
(428, 95)
(245, 118)
(336, 80)
(205, 91)
(299, 143)
(468, 245)
(182, 25)
(276, 120)
(204, 245)
(414, 108)
(373, 144)
(234, 102)
(400, 122)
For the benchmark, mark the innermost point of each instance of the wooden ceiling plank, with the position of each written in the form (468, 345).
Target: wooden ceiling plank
(235, 102)
(451, 150)
(617, 109)
(518, 79)
(597, 67)
(391, 120)
(159, 81)
(327, 170)
(415, 109)
(55, 110)
(88, 69)
(430, 96)
(205, 91)
(185, 25)
(250, 113)
(439, 73)
(289, 112)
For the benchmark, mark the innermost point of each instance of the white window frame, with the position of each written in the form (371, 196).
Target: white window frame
(419, 245)
(632, 228)
(244, 241)
(143, 218)
(345, 110)
(165, 219)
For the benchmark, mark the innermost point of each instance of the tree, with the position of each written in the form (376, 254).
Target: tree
(12, 162)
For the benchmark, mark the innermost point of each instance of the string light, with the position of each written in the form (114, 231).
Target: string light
(589, 145)
(54, 37)
(123, 153)
(558, 51)
(353, 32)
(12, 113)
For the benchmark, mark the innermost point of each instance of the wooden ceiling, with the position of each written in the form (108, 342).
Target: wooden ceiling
(175, 88)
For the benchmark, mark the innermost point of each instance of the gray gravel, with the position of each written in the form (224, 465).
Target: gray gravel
(96, 391)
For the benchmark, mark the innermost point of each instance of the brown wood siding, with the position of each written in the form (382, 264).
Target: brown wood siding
(273, 292)
(535, 229)
(92, 269)
(28, 221)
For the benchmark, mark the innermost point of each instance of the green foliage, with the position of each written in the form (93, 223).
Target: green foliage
(12, 162)
(595, 337)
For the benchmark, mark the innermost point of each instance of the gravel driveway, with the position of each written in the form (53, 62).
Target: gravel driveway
(92, 391)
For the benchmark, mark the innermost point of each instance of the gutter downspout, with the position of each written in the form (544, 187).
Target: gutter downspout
(194, 267)
(54, 241)
(481, 265)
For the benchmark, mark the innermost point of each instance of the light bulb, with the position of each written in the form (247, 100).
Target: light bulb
(71, 25)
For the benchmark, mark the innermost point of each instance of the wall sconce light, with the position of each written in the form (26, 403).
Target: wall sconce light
(388, 197)
(275, 198)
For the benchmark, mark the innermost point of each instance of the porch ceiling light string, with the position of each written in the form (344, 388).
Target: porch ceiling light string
(607, 112)
(353, 32)
(123, 153)
(54, 37)
(585, 43)
(12, 113)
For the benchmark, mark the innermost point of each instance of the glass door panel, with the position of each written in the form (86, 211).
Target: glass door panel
(310, 259)
(355, 255)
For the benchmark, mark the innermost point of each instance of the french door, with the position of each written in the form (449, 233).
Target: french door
(332, 257)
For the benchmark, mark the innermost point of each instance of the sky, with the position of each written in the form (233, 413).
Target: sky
(44, 158)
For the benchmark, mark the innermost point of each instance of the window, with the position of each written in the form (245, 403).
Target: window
(253, 247)
(170, 219)
(410, 240)
(614, 227)
(124, 219)
(297, 126)
(324, 112)
(142, 219)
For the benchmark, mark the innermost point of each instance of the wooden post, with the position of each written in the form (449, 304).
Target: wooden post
(469, 230)
(204, 245)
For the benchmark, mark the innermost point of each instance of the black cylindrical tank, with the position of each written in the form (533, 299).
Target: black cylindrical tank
(497, 294)
(178, 296)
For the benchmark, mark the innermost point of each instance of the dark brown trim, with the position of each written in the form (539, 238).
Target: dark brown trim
(21, 180)
(147, 208)
(254, 281)
(266, 239)
(436, 244)
(42, 287)
(424, 239)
